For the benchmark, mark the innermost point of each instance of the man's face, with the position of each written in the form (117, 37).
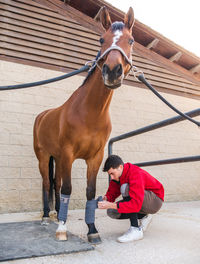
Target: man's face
(115, 173)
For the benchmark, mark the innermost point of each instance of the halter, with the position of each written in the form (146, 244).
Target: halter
(112, 47)
(115, 47)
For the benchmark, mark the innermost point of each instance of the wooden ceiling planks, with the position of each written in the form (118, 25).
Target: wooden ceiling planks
(37, 35)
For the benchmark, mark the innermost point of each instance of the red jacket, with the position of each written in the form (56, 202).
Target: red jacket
(139, 180)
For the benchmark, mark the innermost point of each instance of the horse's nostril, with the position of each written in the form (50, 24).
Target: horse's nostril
(105, 69)
(119, 70)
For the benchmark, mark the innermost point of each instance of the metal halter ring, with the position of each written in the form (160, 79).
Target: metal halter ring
(136, 72)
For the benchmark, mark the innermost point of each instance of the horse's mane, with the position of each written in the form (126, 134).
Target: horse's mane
(115, 26)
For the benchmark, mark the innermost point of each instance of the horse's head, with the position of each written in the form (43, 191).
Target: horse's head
(116, 48)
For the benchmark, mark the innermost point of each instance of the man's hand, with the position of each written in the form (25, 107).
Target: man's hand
(105, 198)
(106, 205)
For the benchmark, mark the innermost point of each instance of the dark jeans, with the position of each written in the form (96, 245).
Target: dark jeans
(133, 218)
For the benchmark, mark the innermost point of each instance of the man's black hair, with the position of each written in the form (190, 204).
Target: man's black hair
(113, 161)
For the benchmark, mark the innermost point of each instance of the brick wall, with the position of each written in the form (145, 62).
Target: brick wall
(131, 108)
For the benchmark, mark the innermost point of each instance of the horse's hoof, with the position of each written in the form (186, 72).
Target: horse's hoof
(45, 221)
(94, 238)
(61, 236)
(61, 232)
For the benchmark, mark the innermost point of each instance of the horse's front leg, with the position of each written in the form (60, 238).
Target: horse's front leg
(64, 166)
(91, 204)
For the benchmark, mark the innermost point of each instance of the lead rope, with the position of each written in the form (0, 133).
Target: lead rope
(139, 75)
(32, 84)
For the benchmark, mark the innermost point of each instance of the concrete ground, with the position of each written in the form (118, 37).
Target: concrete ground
(172, 237)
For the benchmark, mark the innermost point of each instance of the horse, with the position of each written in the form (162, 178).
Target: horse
(80, 128)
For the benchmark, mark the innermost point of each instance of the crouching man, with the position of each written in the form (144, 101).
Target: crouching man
(142, 194)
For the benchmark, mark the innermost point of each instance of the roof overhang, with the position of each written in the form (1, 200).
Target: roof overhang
(148, 43)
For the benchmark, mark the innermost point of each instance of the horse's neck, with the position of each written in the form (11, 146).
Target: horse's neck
(96, 96)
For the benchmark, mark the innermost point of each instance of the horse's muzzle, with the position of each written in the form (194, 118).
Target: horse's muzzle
(112, 78)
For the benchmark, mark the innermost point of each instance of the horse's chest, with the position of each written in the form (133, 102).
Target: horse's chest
(94, 138)
(90, 142)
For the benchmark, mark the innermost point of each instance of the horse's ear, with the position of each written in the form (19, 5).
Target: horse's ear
(105, 17)
(129, 19)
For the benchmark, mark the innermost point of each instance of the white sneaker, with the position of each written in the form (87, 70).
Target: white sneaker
(145, 221)
(133, 234)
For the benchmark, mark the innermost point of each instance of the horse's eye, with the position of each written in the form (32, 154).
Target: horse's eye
(131, 41)
(101, 41)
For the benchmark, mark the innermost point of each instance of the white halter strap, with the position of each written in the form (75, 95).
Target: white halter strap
(112, 47)
(115, 47)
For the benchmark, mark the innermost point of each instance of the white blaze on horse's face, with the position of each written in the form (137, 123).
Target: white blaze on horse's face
(117, 35)
(113, 76)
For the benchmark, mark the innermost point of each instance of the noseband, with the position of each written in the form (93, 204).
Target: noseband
(112, 47)
(115, 47)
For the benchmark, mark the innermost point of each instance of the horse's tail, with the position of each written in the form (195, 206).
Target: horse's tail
(51, 180)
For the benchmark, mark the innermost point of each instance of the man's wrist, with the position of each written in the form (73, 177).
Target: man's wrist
(113, 206)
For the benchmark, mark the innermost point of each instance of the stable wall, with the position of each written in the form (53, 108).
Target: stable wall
(131, 108)
(36, 35)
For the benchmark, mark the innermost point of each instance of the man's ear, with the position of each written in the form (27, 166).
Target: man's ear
(121, 166)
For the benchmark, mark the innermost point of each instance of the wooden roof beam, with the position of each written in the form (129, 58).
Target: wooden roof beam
(195, 69)
(66, 10)
(166, 63)
(176, 56)
(97, 17)
(152, 44)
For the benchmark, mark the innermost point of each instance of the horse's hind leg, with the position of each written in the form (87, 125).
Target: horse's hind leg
(57, 186)
(44, 171)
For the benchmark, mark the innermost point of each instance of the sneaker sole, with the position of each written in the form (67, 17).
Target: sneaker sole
(130, 240)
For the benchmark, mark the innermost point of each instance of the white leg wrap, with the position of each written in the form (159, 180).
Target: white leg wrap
(61, 227)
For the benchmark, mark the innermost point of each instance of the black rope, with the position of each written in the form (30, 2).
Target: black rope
(142, 79)
(28, 85)
(86, 68)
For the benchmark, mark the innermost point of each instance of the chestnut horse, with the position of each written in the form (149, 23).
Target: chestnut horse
(80, 128)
